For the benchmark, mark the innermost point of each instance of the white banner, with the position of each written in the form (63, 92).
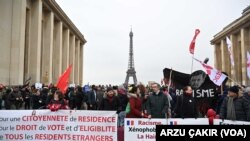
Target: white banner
(74, 125)
(215, 75)
(229, 122)
(38, 85)
(187, 121)
(145, 129)
(141, 129)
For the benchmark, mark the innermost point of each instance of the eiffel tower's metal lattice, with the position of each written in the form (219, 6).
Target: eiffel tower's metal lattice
(131, 65)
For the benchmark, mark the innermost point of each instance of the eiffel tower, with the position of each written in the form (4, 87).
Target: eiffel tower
(131, 66)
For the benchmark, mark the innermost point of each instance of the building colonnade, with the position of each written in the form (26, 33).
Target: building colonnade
(40, 43)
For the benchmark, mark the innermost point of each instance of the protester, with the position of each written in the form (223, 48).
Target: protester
(157, 105)
(144, 97)
(1, 95)
(123, 98)
(58, 102)
(16, 98)
(135, 102)
(241, 91)
(99, 96)
(143, 90)
(186, 106)
(221, 96)
(6, 98)
(110, 102)
(92, 97)
(79, 97)
(166, 92)
(26, 94)
(173, 101)
(38, 102)
(235, 107)
(52, 90)
(71, 97)
(247, 94)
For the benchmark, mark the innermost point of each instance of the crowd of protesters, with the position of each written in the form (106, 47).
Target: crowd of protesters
(153, 101)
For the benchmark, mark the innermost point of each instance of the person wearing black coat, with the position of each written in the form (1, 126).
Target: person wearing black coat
(38, 101)
(123, 98)
(7, 102)
(92, 97)
(110, 102)
(157, 103)
(79, 96)
(186, 105)
(235, 107)
(27, 97)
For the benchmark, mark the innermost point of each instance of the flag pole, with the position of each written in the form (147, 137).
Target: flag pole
(169, 80)
(192, 64)
(233, 80)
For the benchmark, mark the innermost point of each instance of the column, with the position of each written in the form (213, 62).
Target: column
(236, 56)
(27, 42)
(81, 65)
(233, 71)
(5, 40)
(76, 75)
(17, 42)
(223, 55)
(65, 50)
(72, 57)
(57, 51)
(218, 63)
(34, 66)
(47, 55)
(215, 56)
(245, 45)
(225, 58)
(78, 61)
(229, 66)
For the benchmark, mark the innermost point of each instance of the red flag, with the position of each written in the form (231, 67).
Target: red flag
(63, 80)
(192, 44)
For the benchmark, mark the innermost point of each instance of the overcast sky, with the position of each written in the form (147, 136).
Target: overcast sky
(163, 30)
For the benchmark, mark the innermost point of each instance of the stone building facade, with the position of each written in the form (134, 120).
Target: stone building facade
(239, 34)
(38, 41)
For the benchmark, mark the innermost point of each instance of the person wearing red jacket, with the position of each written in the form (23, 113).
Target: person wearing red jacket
(58, 102)
(135, 102)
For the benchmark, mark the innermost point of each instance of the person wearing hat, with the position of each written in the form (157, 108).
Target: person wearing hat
(235, 107)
